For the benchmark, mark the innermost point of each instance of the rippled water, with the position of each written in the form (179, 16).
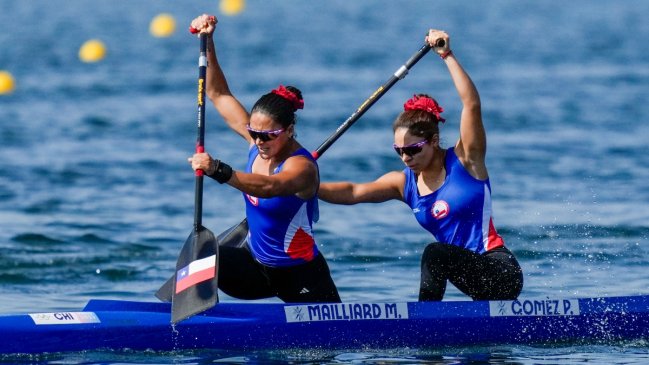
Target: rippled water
(96, 198)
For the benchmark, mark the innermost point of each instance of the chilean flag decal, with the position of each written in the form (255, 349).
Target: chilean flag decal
(197, 271)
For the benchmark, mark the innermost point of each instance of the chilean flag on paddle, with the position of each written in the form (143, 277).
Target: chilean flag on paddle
(197, 271)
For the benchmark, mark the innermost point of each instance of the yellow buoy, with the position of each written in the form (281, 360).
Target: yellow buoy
(92, 51)
(163, 25)
(232, 7)
(6, 82)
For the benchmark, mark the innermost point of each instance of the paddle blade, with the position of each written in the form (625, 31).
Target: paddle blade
(195, 284)
(234, 236)
(165, 293)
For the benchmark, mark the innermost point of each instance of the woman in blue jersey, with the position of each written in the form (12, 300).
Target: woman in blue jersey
(449, 193)
(279, 186)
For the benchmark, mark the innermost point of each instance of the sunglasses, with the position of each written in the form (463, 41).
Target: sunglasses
(264, 136)
(410, 150)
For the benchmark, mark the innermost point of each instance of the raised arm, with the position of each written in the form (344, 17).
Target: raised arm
(217, 90)
(387, 187)
(471, 147)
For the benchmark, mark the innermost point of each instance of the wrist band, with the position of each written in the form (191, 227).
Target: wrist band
(446, 54)
(222, 172)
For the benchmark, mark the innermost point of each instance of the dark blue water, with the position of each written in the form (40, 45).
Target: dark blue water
(96, 197)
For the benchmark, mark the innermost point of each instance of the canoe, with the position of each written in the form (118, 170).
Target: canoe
(117, 325)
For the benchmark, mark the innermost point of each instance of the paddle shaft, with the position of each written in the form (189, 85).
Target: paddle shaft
(398, 75)
(200, 140)
(190, 293)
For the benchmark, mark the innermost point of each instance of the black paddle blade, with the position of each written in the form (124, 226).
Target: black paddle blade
(234, 236)
(195, 287)
(165, 293)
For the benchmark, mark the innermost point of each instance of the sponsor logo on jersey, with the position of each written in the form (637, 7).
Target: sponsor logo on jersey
(534, 307)
(440, 209)
(345, 312)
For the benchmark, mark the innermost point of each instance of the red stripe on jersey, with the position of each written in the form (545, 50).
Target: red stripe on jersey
(301, 246)
(494, 240)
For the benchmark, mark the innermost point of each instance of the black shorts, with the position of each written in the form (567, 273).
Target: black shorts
(494, 275)
(242, 277)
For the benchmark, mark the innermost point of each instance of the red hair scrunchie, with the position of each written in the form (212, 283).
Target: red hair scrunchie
(426, 104)
(290, 96)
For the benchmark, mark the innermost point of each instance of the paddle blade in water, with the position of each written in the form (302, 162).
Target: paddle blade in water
(195, 287)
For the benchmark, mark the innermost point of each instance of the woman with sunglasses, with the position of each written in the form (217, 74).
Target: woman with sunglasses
(279, 186)
(449, 193)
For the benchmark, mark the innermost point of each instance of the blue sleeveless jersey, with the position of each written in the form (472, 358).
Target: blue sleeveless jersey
(459, 212)
(280, 228)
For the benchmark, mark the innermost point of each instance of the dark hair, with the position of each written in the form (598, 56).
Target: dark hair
(277, 107)
(419, 123)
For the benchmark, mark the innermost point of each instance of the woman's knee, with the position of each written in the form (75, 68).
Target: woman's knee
(435, 252)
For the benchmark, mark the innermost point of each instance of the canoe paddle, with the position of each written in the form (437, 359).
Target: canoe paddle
(195, 285)
(235, 236)
(398, 75)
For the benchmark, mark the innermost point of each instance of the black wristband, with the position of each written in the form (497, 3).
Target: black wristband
(222, 173)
